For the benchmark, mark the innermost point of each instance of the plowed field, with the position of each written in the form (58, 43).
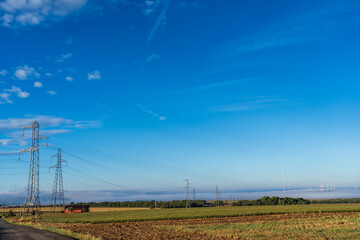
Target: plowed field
(279, 226)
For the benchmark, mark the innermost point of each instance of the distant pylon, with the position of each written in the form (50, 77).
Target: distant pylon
(321, 181)
(188, 205)
(217, 196)
(57, 198)
(282, 176)
(32, 201)
(194, 194)
(355, 183)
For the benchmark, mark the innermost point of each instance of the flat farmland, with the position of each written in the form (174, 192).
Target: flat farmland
(341, 225)
(330, 221)
(188, 213)
(58, 209)
(114, 209)
(18, 210)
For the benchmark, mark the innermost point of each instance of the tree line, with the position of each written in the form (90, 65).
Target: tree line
(149, 204)
(266, 200)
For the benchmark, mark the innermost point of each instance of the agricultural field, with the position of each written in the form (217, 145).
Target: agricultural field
(18, 210)
(114, 209)
(333, 221)
(59, 209)
(186, 213)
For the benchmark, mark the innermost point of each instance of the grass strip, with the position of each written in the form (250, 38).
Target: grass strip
(64, 232)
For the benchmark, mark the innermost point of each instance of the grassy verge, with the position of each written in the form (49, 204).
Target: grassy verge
(174, 214)
(59, 231)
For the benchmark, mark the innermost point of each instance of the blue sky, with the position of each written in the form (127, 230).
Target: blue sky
(143, 94)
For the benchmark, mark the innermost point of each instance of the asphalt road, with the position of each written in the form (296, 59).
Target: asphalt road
(16, 232)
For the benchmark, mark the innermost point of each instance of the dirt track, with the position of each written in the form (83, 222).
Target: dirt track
(154, 229)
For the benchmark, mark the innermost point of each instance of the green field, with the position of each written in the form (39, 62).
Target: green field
(182, 213)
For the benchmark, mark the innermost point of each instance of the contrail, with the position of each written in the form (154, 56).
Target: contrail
(158, 20)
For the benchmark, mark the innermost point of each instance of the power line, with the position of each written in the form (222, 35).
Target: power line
(112, 170)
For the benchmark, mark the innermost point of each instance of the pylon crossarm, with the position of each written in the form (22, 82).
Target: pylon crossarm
(52, 167)
(43, 137)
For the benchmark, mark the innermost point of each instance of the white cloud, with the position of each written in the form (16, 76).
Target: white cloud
(5, 98)
(63, 57)
(51, 92)
(69, 79)
(18, 91)
(26, 72)
(152, 57)
(10, 141)
(38, 84)
(33, 12)
(3, 72)
(48, 74)
(45, 122)
(95, 75)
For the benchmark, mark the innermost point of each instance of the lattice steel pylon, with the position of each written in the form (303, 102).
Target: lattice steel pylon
(32, 201)
(57, 198)
(188, 184)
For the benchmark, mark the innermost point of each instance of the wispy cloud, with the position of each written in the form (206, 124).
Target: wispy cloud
(69, 79)
(63, 57)
(51, 92)
(9, 153)
(45, 122)
(18, 91)
(105, 107)
(161, 20)
(3, 72)
(312, 26)
(25, 72)
(210, 86)
(9, 141)
(255, 104)
(95, 75)
(146, 110)
(69, 40)
(5, 98)
(152, 57)
(22, 13)
(11, 133)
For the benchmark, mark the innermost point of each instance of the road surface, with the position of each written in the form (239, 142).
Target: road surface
(16, 232)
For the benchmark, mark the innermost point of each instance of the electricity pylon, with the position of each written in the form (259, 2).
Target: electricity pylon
(188, 205)
(194, 194)
(32, 201)
(58, 187)
(217, 196)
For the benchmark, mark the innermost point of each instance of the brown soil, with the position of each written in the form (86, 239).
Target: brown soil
(154, 230)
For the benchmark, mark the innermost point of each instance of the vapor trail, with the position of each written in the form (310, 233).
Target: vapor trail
(159, 20)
